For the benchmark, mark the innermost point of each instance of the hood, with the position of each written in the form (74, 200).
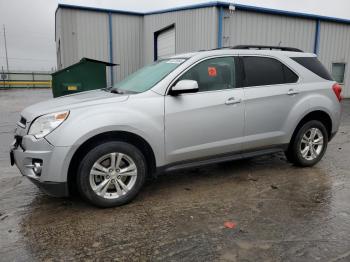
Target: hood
(84, 99)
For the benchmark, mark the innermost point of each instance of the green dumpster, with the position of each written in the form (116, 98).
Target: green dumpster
(87, 74)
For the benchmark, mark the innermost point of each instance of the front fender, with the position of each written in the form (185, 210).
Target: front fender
(83, 124)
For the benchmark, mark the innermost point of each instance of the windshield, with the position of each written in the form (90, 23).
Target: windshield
(145, 78)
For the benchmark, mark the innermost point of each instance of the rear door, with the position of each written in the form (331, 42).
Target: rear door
(209, 122)
(270, 91)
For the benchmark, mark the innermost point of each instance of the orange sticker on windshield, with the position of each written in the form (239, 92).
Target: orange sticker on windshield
(212, 71)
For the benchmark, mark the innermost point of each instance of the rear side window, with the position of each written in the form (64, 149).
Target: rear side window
(259, 71)
(314, 65)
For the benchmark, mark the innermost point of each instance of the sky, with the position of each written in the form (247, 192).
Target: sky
(30, 24)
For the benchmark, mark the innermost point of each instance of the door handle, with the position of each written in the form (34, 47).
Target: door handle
(292, 92)
(232, 101)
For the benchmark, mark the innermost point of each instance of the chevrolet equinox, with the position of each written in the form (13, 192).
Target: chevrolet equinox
(183, 111)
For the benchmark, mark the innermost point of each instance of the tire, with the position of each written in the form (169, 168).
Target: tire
(106, 185)
(312, 146)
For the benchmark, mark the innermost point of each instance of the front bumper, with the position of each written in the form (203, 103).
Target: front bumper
(56, 189)
(31, 150)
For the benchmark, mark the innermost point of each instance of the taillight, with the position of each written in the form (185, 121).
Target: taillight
(337, 91)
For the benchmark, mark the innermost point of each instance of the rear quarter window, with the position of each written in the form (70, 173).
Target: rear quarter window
(314, 65)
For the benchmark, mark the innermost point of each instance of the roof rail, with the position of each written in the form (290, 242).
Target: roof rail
(268, 47)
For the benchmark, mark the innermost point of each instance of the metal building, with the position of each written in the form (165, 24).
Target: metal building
(133, 39)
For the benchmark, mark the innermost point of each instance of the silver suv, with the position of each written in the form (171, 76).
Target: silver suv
(187, 110)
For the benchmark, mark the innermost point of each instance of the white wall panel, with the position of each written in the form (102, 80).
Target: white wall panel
(335, 48)
(92, 35)
(83, 33)
(68, 37)
(127, 44)
(241, 27)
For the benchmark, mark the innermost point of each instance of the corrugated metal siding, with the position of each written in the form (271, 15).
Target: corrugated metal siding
(83, 34)
(92, 35)
(195, 30)
(86, 34)
(69, 50)
(127, 44)
(241, 27)
(58, 24)
(335, 48)
(58, 32)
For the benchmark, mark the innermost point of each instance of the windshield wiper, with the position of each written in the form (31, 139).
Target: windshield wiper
(116, 91)
(107, 88)
(119, 91)
(113, 90)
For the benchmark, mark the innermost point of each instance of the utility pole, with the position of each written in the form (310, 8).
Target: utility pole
(7, 59)
(3, 76)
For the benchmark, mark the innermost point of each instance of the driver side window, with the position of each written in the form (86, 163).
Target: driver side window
(213, 74)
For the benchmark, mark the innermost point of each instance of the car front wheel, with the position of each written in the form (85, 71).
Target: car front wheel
(111, 174)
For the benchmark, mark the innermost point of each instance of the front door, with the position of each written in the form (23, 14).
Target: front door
(209, 122)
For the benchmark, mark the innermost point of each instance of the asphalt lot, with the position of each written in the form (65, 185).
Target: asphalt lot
(282, 213)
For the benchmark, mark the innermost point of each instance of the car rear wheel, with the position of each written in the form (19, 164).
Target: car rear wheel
(309, 144)
(111, 174)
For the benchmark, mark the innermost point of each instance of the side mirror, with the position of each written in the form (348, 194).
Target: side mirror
(184, 86)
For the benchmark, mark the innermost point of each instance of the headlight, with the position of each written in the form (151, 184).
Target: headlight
(45, 124)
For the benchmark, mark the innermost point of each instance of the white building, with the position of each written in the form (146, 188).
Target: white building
(133, 39)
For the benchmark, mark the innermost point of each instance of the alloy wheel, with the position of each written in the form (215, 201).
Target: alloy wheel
(113, 175)
(311, 144)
